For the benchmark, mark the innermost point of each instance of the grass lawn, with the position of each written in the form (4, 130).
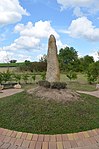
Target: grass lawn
(23, 112)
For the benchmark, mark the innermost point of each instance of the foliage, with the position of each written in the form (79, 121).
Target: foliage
(58, 85)
(13, 61)
(72, 75)
(44, 83)
(34, 77)
(33, 66)
(25, 77)
(85, 62)
(43, 75)
(1, 78)
(17, 77)
(93, 72)
(6, 76)
(68, 59)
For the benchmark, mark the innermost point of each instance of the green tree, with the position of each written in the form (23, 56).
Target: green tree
(93, 72)
(85, 62)
(68, 59)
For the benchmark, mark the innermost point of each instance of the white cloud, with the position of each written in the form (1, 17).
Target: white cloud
(11, 11)
(32, 38)
(89, 6)
(82, 27)
(39, 30)
(95, 55)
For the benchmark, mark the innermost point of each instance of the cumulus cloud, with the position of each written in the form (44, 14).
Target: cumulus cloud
(82, 27)
(11, 11)
(95, 55)
(32, 38)
(89, 6)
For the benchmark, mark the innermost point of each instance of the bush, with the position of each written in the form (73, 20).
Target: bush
(72, 75)
(45, 84)
(1, 78)
(58, 85)
(43, 75)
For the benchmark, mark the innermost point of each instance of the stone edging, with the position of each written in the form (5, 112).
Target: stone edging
(19, 140)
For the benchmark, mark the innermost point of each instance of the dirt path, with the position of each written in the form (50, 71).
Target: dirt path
(9, 92)
(94, 93)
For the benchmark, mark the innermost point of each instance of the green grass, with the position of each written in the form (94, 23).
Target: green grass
(26, 113)
(10, 64)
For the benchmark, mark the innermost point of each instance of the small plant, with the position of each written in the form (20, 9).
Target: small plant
(6, 76)
(25, 77)
(1, 78)
(17, 78)
(58, 85)
(72, 75)
(43, 75)
(34, 77)
(44, 83)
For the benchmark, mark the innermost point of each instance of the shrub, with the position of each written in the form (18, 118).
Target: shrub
(43, 75)
(34, 77)
(25, 77)
(17, 77)
(44, 83)
(58, 85)
(1, 78)
(6, 76)
(72, 75)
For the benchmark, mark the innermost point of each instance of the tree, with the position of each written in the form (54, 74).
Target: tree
(85, 62)
(93, 72)
(68, 58)
(13, 61)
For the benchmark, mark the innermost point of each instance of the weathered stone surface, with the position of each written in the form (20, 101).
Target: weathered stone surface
(17, 86)
(53, 72)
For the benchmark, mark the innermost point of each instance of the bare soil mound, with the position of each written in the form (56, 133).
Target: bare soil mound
(54, 94)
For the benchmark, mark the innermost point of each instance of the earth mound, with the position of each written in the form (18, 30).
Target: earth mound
(54, 94)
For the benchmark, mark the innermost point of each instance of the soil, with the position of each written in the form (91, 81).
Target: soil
(54, 94)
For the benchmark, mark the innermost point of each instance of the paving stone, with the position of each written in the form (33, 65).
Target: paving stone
(38, 145)
(5, 146)
(45, 145)
(25, 143)
(32, 145)
(46, 138)
(53, 138)
(40, 137)
(59, 145)
(52, 145)
(35, 137)
(66, 144)
(19, 134)
(29, 136)
(18, 142)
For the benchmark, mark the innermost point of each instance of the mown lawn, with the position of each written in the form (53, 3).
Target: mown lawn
(23, 112)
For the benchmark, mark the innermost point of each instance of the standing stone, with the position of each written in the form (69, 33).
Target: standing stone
(53, 72)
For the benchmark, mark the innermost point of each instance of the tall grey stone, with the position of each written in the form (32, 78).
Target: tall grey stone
(53, 72)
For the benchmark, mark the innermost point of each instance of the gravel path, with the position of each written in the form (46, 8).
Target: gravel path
(94, 93)
(9, 92)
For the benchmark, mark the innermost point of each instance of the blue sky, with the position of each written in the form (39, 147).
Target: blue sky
(25, 26)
